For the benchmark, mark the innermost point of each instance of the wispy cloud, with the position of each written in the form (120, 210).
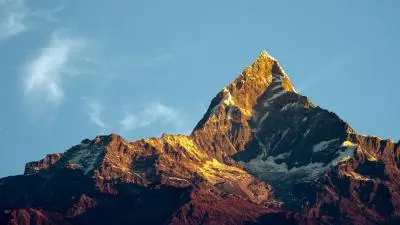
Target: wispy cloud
(16, 17)
(48, 15)
(42, 76)
(94, 111)
(154, 112)
(12, 18)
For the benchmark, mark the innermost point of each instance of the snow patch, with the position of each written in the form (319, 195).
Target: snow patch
(86, 157)
(283, 155)
(273, 97)
(275, 87)
(227, 100)
(267, 169)
(229, 113)
(290, 106)
(344, 155)
(306, 133)
(260, 166)
(277, 79)
(92, 161)
(323, 145)
(284, 134)
(84, 145)
(263, 118)
(309, 172)
(270, 170)
(228, 97)
(259, 123)
(263, 147)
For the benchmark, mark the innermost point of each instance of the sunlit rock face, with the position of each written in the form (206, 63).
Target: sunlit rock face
(261, 154)
(227, 126)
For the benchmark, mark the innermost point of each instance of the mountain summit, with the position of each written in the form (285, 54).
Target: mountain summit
(227, 125)
(261, 154)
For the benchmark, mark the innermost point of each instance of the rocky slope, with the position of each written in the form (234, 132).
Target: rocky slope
(261, 154)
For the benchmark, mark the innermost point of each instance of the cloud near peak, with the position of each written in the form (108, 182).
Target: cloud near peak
(154, 112)
(94, 110)
(42, 75)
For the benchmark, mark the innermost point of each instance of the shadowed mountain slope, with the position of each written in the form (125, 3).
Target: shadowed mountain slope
(261, 154)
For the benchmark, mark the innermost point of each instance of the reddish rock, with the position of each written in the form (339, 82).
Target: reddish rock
(261, 154)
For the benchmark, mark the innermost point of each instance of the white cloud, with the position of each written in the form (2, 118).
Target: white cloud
(16, 17)
(13, 14)
(95, 109)
(154, 112)
(129, 122)
(43, 75)
(48, 15)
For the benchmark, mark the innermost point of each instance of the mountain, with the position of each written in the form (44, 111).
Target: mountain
(261, 154)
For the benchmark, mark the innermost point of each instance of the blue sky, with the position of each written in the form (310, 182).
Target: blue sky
(75, 69)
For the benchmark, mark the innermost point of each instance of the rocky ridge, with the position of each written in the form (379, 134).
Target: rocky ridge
(261, 154)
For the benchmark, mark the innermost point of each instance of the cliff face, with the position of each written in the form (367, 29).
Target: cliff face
(261, 154)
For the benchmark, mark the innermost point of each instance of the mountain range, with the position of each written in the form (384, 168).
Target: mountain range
(261, 154)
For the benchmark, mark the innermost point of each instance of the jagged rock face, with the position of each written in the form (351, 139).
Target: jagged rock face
(225, 129)
(49, 160)
(363, 188)
(261, 154)
(110, 174)
(302, 150)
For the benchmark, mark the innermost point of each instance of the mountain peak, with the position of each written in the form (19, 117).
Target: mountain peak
(232, 109)
(260, 145)
(264, 55)
(262, 75)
